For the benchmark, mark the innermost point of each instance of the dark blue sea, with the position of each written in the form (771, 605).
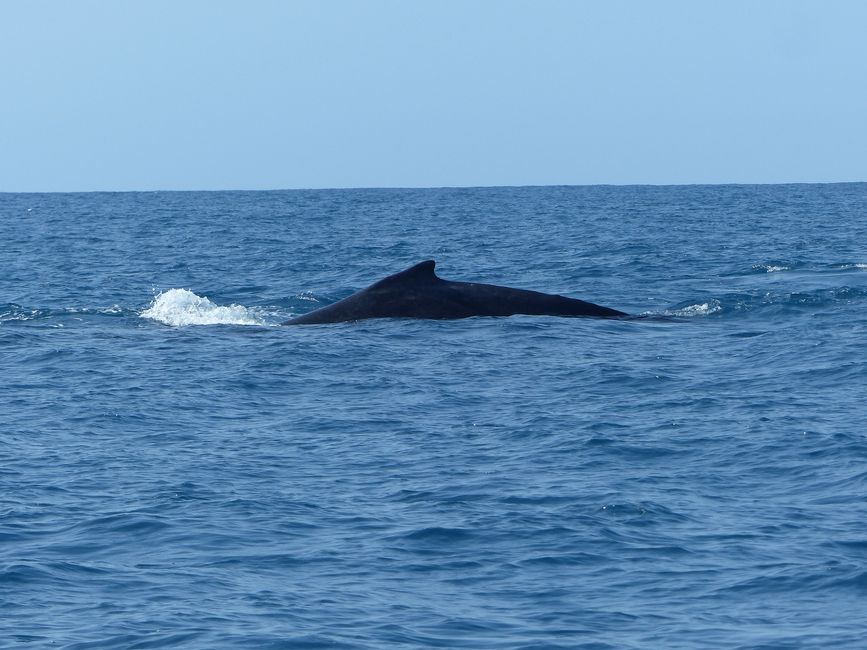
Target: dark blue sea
(177, 470)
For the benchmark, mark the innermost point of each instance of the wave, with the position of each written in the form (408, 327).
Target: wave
(771, 267)
(181, 307)
(692, 310)
(11, 311)
(775, 301)
(802, 267)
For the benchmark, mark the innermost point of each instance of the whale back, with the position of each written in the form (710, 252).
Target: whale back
(417, 292)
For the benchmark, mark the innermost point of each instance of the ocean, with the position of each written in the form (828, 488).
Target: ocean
(177, 470)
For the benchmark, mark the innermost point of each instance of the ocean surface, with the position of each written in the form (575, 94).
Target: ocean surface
(177, 470)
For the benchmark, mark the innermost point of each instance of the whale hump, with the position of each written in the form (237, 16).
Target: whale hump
(423, 271)
(417, 292)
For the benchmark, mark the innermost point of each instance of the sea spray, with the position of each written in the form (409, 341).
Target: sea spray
(181, 307)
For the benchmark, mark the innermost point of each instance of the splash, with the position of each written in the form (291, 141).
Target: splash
(12, 312)
(180, 307)
(771, 268)
(701, 309)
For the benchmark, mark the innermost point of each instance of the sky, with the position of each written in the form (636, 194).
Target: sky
(259, 94)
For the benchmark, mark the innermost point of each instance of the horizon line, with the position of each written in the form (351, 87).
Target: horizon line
(428, 187)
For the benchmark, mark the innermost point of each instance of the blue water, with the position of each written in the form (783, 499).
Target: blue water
(179, 471)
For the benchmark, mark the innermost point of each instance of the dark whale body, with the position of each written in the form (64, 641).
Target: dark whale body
(418, 293)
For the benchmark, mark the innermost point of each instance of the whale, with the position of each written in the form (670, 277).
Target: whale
(417, 292)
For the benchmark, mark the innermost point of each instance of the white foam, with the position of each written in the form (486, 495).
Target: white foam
(702, 309)
(771, 268)
(180, 307)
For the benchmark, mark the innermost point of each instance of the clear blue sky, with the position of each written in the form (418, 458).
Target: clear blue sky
(208, 94)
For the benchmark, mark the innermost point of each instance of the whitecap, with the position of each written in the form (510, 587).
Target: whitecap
(770, 268)
(181, 307)
(700, 309)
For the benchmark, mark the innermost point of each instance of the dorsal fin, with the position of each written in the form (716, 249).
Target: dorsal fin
(420, 272)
